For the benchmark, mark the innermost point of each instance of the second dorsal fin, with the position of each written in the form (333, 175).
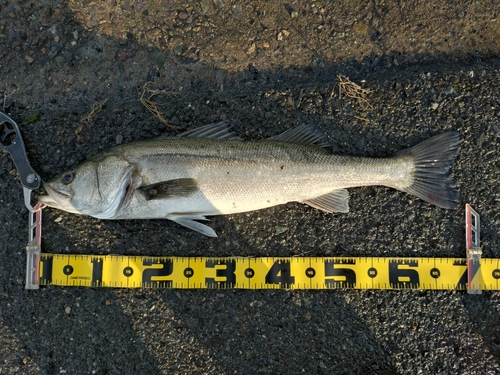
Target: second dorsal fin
(304, 135)
(217, 130)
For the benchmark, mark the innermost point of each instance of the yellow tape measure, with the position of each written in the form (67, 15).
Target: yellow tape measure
(265, 273)
(473, 273)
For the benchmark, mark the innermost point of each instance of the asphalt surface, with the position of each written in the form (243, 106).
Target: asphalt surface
(264, 68)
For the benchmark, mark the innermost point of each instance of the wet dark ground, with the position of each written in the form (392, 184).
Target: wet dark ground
(263, 68)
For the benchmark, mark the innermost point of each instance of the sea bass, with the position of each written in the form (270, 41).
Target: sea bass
(209, 171)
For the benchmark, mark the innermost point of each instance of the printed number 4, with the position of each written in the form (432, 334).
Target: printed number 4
(280, 274)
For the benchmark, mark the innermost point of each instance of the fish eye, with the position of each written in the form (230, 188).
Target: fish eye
(68, 177)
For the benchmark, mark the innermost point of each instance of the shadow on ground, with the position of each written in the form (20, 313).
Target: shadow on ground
(417, 94)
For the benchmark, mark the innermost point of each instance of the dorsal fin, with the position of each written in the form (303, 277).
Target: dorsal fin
(305, 135)
(217, 130)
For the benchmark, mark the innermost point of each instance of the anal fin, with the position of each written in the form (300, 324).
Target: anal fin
(336, 201)
(188, 220)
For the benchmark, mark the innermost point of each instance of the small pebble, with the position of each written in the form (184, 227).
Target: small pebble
(251, 49)
(279, 229)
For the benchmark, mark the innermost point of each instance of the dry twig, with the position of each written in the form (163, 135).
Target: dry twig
(152, 106)
(352, 90)
(96, 108)
(5, 97)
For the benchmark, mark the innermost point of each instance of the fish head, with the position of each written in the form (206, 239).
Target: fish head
(97, 187)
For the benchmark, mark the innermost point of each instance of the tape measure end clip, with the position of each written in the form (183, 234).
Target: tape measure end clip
(33, 249)
(474, 252)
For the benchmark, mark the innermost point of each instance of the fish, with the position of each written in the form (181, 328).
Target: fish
(210, 171)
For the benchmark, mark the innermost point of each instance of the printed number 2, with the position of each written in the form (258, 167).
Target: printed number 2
(280, 274)
(149, 273)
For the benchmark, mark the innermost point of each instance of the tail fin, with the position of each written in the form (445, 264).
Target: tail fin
(433, 159)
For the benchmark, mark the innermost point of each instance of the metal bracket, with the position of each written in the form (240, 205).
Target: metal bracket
(472, 239)
(33, 249)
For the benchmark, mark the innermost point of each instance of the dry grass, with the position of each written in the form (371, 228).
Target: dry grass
(5, 97)
(146, 99)
(352, 90)
(96, 108)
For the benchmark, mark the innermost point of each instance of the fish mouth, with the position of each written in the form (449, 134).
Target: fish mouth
(55, 198)
(47, 200)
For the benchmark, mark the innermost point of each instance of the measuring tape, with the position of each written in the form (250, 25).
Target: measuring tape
(265, 273)
(119, 271)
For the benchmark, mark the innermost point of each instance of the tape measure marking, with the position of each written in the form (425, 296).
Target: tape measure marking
(264, 273)
(473, 273)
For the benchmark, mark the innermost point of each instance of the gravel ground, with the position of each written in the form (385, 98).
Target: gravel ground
(263, 68)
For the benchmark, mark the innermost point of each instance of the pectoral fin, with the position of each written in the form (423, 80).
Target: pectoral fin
(336, 201)
(181, 187)
(188, 220)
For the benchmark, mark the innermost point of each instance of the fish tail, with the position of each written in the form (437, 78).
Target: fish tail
(432, 160)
